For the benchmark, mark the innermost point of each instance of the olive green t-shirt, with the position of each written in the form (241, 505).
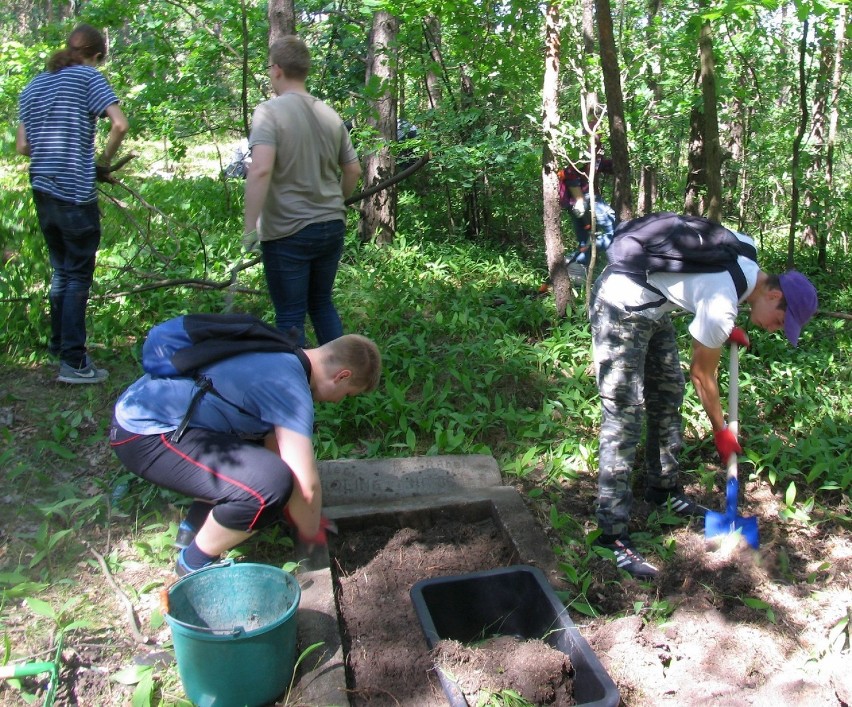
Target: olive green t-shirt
(311, 142)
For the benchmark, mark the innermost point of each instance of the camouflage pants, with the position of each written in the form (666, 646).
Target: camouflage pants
(638, 374)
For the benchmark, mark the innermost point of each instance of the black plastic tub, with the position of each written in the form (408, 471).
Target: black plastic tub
(516, 601)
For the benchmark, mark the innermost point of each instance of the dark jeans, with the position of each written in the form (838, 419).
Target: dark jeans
(300, 272)
(73, 234)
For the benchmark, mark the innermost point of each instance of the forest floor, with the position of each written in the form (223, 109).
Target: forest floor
(724, 626)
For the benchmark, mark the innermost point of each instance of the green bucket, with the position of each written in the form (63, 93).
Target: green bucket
(234, 633)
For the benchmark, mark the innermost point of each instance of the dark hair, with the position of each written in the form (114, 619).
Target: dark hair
(84, 42)
(292, 55)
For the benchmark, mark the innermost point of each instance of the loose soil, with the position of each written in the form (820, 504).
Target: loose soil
(719, 627)
(531, 670)
(388, 662)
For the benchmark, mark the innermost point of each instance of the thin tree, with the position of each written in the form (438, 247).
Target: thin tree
(622, 199)
(797, 145)
(831, 140)
(552, 216)
(378, 212)
(712, 151)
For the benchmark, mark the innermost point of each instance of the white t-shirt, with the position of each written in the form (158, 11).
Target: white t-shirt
(711, 297)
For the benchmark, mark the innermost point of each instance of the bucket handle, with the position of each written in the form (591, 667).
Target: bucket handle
(232, 632)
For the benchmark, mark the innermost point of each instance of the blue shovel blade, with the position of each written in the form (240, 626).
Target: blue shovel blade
(716, 524)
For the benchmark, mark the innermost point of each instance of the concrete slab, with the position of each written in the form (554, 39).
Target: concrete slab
(407, 493)
(353, 481)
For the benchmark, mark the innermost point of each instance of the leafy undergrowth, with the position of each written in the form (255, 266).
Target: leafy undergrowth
(475, 362)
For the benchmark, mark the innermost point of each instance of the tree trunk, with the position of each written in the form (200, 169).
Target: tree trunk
(432, 32)
(712, 152)
(378, 212)
(470, 198)
(648, 175)
(622, 200)
(282, 19)
(797, 146)
(552, 216)
(815, 194)
(588, 26)
(831, 139)
(736, 149)
(693, 198)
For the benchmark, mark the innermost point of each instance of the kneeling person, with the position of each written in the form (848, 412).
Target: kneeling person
(248, 449)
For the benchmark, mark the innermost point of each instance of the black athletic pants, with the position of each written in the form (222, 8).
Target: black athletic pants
(248, 485)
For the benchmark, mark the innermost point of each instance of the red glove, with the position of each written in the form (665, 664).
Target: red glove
(321, 538)
(738, 336)
(726, 444)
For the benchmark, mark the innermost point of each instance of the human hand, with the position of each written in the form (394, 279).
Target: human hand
(738, 336)
(103, 171)
(326, 526)
(251, 242)
(726, 444)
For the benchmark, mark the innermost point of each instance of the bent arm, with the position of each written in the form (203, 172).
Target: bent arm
(257, 184)
(305, 505)
(351, 173)
(703, 372)
(22, 145)
(118, 129)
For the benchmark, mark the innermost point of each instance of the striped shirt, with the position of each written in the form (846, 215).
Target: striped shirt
(59, 111)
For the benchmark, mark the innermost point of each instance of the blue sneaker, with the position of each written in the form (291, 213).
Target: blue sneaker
(182, 569)
(185, 535)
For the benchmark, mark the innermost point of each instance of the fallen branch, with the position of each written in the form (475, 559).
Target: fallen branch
(404, 174)
(128, 605)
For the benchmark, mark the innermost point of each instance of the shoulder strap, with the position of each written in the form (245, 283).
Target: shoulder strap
(205, 385)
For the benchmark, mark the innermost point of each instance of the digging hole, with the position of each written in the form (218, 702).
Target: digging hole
(375, 561)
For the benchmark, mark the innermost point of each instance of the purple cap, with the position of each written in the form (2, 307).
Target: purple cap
(801, 297)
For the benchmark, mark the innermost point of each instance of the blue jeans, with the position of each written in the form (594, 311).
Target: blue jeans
(300, 272)
(605, 225)
(72, 233)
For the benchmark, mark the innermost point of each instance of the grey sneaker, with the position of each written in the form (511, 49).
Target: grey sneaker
(87, 374)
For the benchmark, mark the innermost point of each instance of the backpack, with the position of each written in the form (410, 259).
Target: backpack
(668, 242)
(183, 345)
(564, 194)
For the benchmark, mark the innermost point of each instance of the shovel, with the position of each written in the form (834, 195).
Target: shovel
(20, 670)
(720, 524)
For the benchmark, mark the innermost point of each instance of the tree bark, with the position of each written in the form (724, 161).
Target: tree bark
(622, 189)
(282, 19)
(432, 33)
(712, 152)
(378, 212)
(831, 138)
(552, 215)
(797, 146)
(693, 198)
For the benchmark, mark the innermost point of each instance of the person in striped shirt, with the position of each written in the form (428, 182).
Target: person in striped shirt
(58, 113)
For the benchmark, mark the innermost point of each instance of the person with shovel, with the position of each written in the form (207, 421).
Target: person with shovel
(58, 113)
(247, 452)
(639, 373)
(303, 166)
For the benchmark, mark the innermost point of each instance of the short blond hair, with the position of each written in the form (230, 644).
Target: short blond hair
(292, 55)
(359, 355)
